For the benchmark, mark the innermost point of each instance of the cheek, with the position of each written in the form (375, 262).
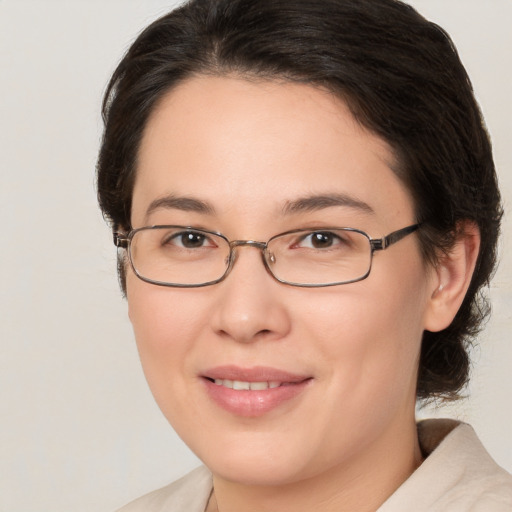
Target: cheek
(165, 326)
(162, 317)
(371, 331)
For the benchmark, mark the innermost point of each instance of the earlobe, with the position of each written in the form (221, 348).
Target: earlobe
(451, 277)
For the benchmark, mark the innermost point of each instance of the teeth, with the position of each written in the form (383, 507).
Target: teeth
(258, 386)
(244, 385)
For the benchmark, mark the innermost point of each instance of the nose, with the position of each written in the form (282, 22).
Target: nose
(250, 303)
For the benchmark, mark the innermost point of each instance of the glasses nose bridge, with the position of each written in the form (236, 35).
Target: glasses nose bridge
(251, 243)
(234, 244)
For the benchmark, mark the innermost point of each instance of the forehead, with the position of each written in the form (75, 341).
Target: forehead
(257, 145)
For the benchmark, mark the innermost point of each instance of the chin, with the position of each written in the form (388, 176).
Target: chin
(259, 471)
(255, 460)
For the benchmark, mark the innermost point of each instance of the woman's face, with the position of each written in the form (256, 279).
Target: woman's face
(254, 156)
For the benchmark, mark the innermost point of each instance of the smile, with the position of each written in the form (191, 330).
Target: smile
(241, 385)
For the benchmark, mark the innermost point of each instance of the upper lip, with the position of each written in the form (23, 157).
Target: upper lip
(253, 374)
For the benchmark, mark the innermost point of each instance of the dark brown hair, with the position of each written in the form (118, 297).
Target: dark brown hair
(402, 79)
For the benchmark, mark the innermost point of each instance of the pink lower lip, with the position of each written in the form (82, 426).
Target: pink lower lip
(249, 403)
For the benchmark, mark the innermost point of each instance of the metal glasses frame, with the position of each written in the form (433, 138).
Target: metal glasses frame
(123, 241)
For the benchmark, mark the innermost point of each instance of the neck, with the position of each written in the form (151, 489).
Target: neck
(362, 484)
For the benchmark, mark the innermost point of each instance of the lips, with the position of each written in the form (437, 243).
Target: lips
(252, 392)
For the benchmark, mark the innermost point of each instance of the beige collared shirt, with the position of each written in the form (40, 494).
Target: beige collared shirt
(458, 475)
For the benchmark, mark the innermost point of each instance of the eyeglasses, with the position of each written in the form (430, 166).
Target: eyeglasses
(187, 257)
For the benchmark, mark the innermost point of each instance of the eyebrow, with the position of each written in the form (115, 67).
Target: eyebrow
(322, 201)
(303, 204)
(186, 204)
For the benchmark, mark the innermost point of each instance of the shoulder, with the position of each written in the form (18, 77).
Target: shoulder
(189, 493)
(458, 474)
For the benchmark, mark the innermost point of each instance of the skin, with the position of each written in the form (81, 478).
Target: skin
(248, 149)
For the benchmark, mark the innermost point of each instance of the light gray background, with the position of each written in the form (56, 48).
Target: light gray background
(79, 430)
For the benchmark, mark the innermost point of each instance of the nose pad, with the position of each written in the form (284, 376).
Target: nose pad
(270, 261)
(230, 259)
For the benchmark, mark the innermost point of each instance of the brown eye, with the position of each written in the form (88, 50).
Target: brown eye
(192, 240)
(189, 240)
(320, 240)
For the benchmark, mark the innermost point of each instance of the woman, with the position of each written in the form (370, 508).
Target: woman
(306, 207)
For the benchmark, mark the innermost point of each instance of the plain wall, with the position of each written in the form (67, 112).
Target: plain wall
(79, 430)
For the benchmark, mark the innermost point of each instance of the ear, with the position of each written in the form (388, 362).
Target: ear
(451, 277)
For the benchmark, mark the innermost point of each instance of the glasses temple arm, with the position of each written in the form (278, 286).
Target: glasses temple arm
(379, 244)
(120, 240)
